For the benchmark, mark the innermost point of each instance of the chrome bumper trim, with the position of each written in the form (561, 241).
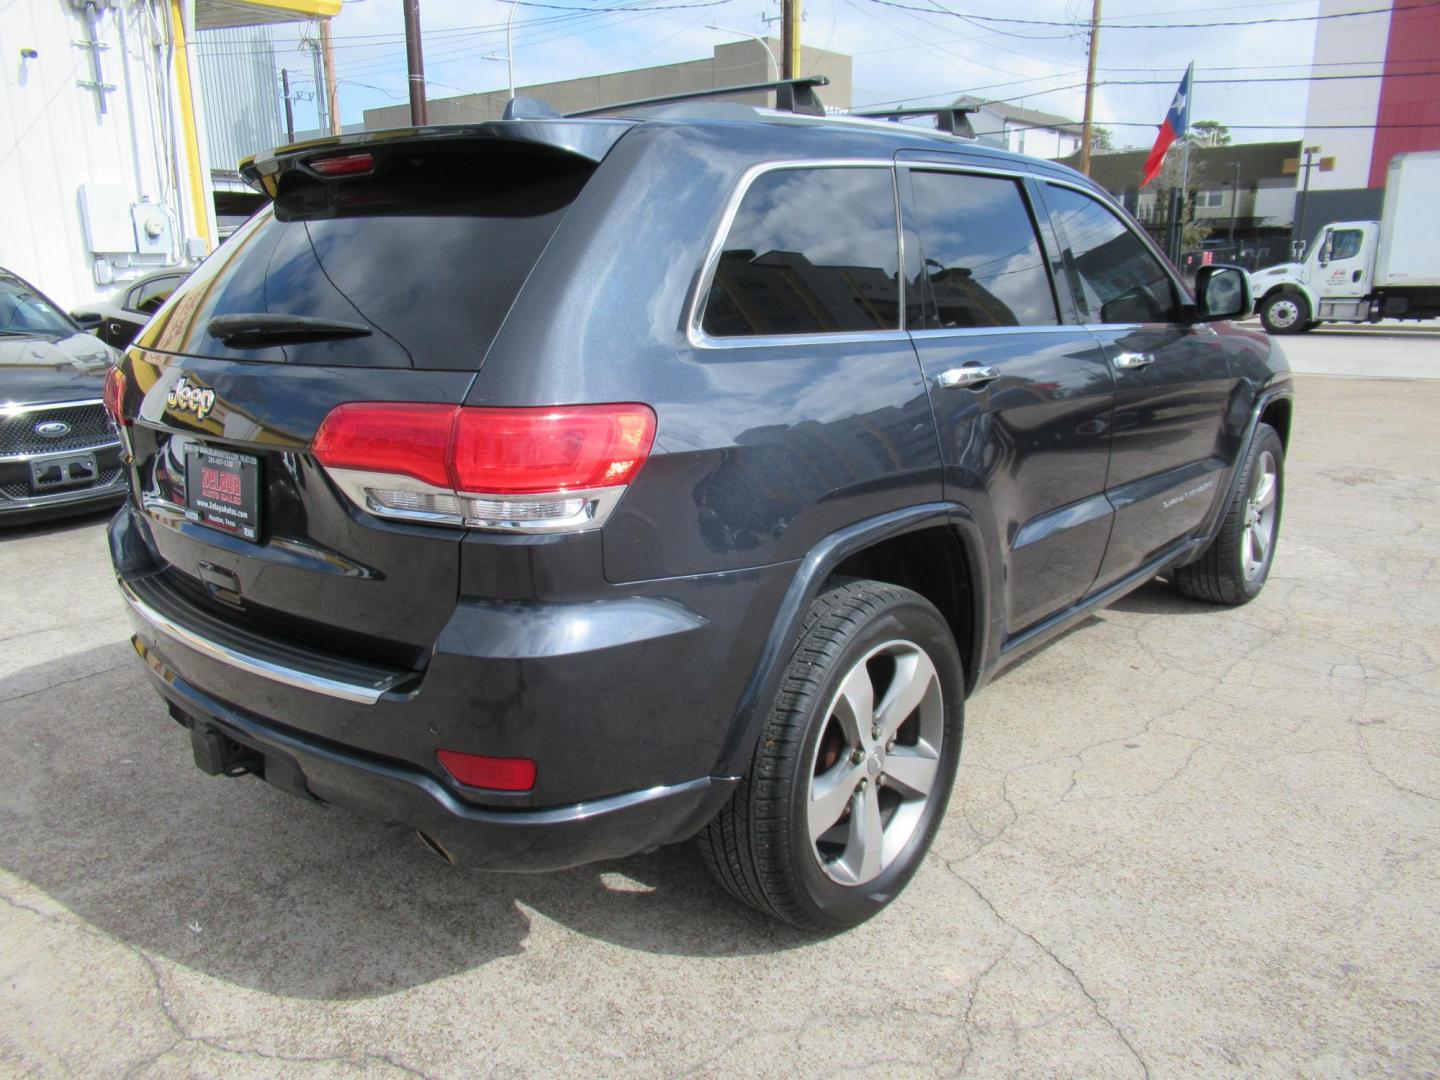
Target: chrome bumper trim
(359, 693)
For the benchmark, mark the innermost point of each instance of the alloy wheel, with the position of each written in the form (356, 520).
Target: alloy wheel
(876, 762)
(1259, 532)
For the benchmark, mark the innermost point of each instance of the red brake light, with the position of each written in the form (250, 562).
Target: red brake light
(497, 773)
(411, 440)
(525, 451)
(114, 395)
(533, 469)
(344, 165)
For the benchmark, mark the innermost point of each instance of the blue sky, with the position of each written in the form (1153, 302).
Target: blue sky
(898, 55)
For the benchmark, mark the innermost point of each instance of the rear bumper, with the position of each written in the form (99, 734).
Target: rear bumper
(486, 838)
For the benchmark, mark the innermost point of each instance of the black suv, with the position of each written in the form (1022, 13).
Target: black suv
(564, 487)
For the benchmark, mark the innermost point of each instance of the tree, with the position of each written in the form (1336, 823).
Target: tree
(1209, 133)
(1101, 141)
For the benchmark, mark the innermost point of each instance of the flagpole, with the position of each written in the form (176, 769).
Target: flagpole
(1185, 163)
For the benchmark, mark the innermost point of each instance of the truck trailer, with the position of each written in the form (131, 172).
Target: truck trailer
(1365, 271)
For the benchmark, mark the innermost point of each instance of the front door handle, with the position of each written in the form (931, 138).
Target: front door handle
(969, 377)
(1129, 361)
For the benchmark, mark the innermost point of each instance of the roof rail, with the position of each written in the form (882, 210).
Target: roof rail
(791, 95)
(951, 119)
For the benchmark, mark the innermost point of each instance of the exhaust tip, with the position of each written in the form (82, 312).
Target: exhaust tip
(435, 846)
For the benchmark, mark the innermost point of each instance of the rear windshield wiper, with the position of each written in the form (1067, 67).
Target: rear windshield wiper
(254, 331)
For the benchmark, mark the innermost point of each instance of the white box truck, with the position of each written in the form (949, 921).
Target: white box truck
(1365, 271)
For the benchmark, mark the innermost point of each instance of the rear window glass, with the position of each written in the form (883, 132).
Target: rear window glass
(811, 251)
(429, 252)
(983, 265)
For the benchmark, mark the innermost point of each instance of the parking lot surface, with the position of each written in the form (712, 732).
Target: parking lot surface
(1184, 841)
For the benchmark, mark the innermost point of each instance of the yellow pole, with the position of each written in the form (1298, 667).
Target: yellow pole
(184, 90)
(790, 31)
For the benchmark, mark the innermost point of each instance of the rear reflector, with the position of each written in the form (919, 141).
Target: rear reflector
(496, 773)
(344, 165)
(114, 396)
(533, 469)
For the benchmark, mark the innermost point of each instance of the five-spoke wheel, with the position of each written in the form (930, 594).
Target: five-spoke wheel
(854, 765)
(876, 761)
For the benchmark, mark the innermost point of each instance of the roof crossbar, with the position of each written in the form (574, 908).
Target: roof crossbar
(791, 95)
(951, 119)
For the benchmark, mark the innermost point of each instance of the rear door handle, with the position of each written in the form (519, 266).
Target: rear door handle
(969, 377)
(1129, 361)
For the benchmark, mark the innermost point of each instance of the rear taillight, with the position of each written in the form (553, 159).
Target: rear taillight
(545, 469)
(114, 396)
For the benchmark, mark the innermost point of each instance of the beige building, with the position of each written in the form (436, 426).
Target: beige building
(735, 64)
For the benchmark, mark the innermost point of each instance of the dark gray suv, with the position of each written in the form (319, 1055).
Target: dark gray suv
(564, 487)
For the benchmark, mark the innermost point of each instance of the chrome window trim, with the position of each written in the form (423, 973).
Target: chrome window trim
(694, 332)
(958, 166)
(359, 693)
(986, 331)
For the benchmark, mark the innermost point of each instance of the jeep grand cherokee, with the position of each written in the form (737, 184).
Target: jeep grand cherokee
(564, 487)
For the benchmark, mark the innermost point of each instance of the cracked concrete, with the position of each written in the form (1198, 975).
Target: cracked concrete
(1185, 841)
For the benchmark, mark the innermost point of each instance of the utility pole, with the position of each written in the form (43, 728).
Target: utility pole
(1234, 203)
(415, 63)
(322, 116)
(332, 92)
(790, 38)
(1090, 88)
(289, 111)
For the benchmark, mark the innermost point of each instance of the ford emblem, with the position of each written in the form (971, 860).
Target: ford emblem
(53, 429)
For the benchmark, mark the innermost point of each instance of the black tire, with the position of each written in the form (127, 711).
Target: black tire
(1285, 312)
(1220, 575)
(759, 846)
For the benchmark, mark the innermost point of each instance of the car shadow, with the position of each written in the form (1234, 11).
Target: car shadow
(104, 812)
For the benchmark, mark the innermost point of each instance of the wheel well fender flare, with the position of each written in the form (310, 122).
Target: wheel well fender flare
(810, 576)
(1295, 287)
(1284, 392)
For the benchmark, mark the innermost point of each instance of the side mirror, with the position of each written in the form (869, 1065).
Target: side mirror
(88, 320)
(1222, 292)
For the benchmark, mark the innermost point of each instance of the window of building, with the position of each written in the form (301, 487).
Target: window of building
(811, 251)
(983, 262)
(1114, 276)
(1211, 199)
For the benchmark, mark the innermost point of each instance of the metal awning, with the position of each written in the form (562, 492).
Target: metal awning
(218, 14)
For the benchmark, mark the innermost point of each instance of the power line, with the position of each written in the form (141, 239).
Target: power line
(971, 17)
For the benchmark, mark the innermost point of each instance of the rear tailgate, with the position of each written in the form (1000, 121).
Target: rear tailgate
(419, 254)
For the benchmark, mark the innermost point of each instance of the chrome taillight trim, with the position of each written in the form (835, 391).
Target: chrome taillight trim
(359, 485)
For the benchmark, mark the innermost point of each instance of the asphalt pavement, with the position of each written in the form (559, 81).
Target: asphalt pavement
(1186, 841)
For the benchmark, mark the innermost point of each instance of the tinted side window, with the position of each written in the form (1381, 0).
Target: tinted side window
(1113, 274)
(147, 298)
(983, 264)
(811, 251)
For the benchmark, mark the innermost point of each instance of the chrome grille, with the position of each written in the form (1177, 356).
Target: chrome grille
(89, 426)
(19, 489)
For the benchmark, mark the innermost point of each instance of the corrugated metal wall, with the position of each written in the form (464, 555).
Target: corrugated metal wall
(240, 92)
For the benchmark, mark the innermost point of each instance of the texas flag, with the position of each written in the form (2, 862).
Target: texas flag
(1176, 121)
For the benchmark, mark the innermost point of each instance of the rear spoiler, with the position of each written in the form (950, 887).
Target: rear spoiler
(588, 139)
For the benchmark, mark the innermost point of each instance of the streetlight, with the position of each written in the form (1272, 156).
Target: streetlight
(754, 37)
